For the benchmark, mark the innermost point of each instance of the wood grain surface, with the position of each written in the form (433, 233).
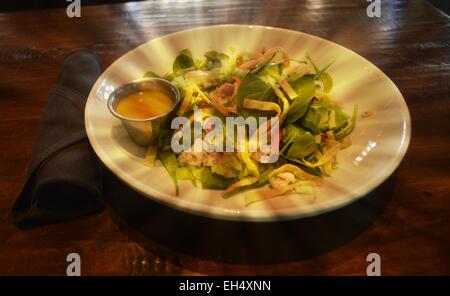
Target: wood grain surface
(410, 43)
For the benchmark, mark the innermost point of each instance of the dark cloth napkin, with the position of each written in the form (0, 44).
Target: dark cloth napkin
(65, 177)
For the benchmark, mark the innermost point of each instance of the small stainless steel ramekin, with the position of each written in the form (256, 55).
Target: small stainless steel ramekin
(146, 131)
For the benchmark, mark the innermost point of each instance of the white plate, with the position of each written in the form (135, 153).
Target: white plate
(379, 141)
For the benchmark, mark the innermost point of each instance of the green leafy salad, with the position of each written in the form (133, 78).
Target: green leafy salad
(267, 83)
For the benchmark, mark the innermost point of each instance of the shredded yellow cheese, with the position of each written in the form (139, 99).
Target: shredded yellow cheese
(288, 88)
(261, 105)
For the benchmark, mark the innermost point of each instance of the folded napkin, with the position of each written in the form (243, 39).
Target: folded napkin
(64, 177)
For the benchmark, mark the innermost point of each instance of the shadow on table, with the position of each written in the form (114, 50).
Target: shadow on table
(149, 223)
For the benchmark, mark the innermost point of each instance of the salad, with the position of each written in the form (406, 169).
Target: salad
(313, 128)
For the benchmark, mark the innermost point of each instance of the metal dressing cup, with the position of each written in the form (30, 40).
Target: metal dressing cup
(146, 131)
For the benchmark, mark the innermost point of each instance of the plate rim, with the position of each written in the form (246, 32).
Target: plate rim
(236, 215)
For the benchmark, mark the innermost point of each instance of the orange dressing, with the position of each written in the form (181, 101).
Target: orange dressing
(144, 104)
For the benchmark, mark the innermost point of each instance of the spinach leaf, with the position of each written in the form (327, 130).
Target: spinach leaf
(228, 169)
(184, 173)
(305, 88)
(341, 119)
(183, 61)
(323, 105)
(271, 70)
(327, 81)
(321, 71)
(253, 87)
(323, 122)
(213, 60)
(322, 75)
(302, 146)
(313, 171)
(212, 180)
(213, 55)
(347, 129)
(205, 176)
(290, 133)
(170, 162)
(312, 120)
(316, 119)
(299, 142)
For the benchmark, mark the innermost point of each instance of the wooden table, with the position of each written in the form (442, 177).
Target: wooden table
(410, 43)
